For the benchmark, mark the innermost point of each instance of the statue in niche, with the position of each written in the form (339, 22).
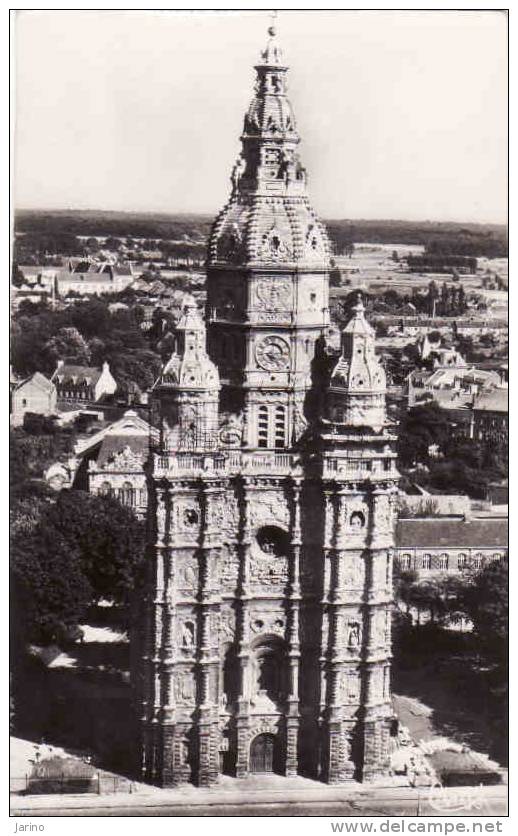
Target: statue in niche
(287, 166)
(299, 421)
(237, 171)
(188, 634)
(189, 575)
(300, 172)
(353, 638)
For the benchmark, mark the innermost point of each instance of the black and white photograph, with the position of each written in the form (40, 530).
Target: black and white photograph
(258, 418)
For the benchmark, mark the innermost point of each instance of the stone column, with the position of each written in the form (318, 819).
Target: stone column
(377, 708)
(294, 597)
(340, 766)
(208, 765)
(242, 635)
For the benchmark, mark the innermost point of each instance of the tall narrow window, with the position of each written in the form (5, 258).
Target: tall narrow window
(262, 427)
(280, 426)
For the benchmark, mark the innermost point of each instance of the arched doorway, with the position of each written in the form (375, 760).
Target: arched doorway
(262, 752)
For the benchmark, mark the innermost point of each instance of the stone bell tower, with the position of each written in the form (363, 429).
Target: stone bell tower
(267, 284)
(265, 644)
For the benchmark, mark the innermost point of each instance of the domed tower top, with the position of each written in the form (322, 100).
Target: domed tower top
(268, 217)
(356, 393)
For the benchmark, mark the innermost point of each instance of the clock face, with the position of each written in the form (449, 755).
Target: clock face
(273, 353)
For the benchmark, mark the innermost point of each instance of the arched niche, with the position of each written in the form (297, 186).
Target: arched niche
(269, 669)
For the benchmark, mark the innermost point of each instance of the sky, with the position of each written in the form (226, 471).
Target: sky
(403, 115)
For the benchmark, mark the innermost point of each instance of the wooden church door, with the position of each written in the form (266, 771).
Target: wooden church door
(261, 753)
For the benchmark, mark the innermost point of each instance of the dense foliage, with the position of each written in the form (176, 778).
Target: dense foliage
(438, 238)
(66, 552)
(432, 455)
(76, 550)
(88, 333)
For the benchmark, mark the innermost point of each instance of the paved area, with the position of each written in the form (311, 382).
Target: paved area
(274, 796)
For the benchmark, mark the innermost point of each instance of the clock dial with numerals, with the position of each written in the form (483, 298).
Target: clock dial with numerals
(273, 353)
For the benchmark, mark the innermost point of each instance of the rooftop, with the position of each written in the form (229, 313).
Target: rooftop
(452, 532)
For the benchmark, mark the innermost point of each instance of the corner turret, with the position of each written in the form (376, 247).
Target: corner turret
(356, 392)
(188, 388)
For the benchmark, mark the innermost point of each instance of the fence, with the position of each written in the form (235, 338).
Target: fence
(96, 784)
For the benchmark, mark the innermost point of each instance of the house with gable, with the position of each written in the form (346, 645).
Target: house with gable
(112, 461)
(35, 394)
(78, 386)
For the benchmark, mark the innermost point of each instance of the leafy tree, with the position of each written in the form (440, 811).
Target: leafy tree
(404, 583)
(421, 427)
(67, 344)
(107, 537)
(486, 601)
(50, 590)
(67, 554)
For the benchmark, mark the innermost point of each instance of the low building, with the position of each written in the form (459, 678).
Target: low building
(490, 418)
(94, 278)
(435, 546)
(35, 394)
(456, 386)
(112, 461)
(78, 386)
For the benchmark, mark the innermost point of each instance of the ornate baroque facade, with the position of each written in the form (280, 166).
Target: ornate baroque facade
(267, 614)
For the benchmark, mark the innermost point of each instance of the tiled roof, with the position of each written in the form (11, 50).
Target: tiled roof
(439, 532)
(77, 374)
(39, 380)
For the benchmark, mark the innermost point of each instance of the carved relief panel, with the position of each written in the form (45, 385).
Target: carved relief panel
(348, 687)
(273, 294)
(224, 516)
(184, 687)
(228, 568)
(269, 507)
(268, 622)
(187, 575)
(227, 624)
(186, 518)
(268, 570)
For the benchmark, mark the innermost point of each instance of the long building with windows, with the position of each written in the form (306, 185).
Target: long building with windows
(444, 545)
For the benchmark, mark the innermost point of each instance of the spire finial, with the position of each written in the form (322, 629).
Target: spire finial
(358, 307)
(272, 30)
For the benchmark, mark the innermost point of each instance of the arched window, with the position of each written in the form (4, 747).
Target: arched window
(271, 427)
(262, 427)
(280, 426)
(478, 560)
(106, 489)
(405, 561)
(127, 494)
(426, 562)
(444, 561)
(462, 561)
